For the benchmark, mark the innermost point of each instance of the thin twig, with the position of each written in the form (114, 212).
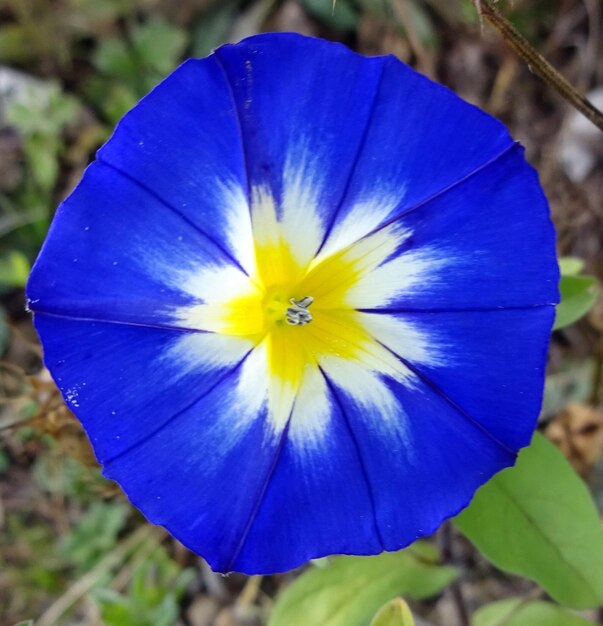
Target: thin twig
(537, 63)
(214, 583)
(424, 60)
(250, 591)
(77, 591)
(22, 422)
(141, 553)
(597, 390)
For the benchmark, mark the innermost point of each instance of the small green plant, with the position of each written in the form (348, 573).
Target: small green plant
(41, 121)
(57, 474)
(578, 292)
(129, 66)
(152, 599)
(95, 534)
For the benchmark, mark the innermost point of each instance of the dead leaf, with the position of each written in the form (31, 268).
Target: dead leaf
(578, 432)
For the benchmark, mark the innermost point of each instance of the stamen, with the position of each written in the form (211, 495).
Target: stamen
(298, 314)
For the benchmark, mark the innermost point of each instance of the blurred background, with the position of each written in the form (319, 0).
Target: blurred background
(72, 550)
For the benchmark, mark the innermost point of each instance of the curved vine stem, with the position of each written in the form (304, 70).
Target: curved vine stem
(537, 63)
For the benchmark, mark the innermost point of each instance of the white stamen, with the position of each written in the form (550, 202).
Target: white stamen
(298, 314)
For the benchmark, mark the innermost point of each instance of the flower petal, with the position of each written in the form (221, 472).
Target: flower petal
(420, 139)
(304, 108)
(426, 471)
(117, 253)
(180, 143)
(204, 476)
(125, 382)
(489, 364)
(246, 497)
(371, 482)
(478, 245)
(317, 501)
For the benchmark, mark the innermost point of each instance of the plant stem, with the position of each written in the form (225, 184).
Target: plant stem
(537, 63)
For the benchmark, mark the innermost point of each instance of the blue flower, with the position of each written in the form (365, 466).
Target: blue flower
(301, 303)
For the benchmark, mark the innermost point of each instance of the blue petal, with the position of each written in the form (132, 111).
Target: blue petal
(253, 505)
(117, 253)
(428, 468)
(489, 364)
(490, 240)
(421, 139)
(374, 484)
(366, 488)
(356, 130)
(202, 477)
(317, 502)
(181, 144)
(126, 383)
(304, 106)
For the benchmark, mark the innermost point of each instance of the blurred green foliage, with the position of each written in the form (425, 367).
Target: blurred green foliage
(26, 211)
(578, 293)
(213, 30)
(578, 296)
(125, 65)
(41, 123)
(40, 559)
(343, 16)
(57, 474)
(14, 270)
(94, 536)
(40, 570)
(129, 66)
(394, 613)
(348, 591)
(516, 612)
(153, 596)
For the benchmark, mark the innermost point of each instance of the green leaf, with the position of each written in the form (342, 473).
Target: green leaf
(342, 17)
(119, 99)
(350, 590)
(153, 596)
(159, 44)
(578, 294)
(14, 269)
(538, 520)
(114, 59)
(15, 45)
(570, 265)
(394, 613)
(517, 612)
(212, 30)
(95, 535)
(42, 155)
